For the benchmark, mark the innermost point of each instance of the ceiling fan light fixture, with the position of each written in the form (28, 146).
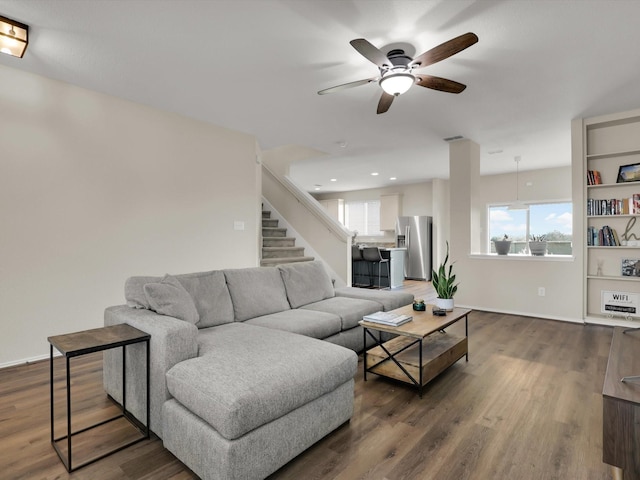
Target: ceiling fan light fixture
(14, 37)
(397, 83)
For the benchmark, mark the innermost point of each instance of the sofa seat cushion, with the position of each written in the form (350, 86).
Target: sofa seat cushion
(247, 376)
(350, 310)
(306, 282)
(207, 289)
(304, 322)
(388, 299)
(256, 291)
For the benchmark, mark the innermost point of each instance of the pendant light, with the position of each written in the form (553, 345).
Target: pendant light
(518, 205)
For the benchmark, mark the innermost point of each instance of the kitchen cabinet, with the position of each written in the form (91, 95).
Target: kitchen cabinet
(389, 210)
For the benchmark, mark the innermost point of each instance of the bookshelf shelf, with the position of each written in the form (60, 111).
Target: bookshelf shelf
(616, 185)
(622, 153)
(614, 247)
(614, 278)
(617, 215)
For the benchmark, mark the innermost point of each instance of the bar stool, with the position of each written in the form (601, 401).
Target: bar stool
(356, 265)
(373, 257)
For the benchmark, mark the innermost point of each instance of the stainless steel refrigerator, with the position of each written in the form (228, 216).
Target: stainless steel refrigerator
(414, 233)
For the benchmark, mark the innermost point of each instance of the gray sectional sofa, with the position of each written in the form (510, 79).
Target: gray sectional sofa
(248, 366)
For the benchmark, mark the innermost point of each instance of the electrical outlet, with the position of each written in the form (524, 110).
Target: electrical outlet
(541, 291)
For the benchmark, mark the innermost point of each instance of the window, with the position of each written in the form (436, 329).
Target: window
(363, 217)
(553, 220)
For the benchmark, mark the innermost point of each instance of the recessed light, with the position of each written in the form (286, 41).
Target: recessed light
(334, 179)
(392, 178)
(375, 174)
(317, 188)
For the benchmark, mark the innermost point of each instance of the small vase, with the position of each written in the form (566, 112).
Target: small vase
(445, 303)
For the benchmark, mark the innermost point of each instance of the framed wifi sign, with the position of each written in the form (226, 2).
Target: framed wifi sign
(620, 303)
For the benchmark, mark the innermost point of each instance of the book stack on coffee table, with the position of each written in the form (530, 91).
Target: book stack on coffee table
(387, 318)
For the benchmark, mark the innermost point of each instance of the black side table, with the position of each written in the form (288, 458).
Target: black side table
(90, 341)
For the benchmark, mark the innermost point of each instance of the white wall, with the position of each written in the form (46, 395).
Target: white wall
(94, 189)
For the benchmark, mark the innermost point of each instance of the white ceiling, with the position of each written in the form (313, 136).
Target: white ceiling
(256, 65)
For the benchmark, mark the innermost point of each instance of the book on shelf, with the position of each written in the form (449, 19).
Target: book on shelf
(614, 206)
(387, 318)
(594, 177)
(604, 237)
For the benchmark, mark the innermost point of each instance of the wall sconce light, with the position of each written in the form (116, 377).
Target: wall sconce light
(14, 37)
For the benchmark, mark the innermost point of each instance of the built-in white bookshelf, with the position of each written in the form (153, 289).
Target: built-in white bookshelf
(613, 228)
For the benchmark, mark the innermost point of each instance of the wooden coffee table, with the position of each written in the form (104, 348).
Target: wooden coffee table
(422, 349)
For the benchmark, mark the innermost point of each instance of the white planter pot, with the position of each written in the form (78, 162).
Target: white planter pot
(445, 303)
(538, 248)
(502, 246)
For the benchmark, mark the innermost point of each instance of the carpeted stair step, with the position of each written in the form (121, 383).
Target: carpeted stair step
(282, 252)
(278, 241)
(269, 222)
(266, 214)
(274, 232)
(271, 262)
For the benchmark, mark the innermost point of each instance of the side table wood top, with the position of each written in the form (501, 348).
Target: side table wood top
(96, 339)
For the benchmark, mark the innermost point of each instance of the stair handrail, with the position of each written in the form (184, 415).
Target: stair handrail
(312, 205)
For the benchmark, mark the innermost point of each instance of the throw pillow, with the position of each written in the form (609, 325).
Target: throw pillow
(169, 297)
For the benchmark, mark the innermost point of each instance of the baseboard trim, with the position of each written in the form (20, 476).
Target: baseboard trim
(525, 314)
(26, 361)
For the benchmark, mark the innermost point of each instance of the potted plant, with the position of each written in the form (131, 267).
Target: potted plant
(443, 283)
(503, 246)
(538, 245)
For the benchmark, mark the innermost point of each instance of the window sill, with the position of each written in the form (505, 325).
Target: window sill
(526, 258)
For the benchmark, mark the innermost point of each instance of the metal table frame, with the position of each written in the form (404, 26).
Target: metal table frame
(144, 429)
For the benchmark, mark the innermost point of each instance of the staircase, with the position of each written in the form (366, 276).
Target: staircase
(277, 248)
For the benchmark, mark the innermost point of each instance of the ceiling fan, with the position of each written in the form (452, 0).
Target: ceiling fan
(396, 69)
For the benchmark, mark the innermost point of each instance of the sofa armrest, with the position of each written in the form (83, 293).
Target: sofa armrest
(172, 341)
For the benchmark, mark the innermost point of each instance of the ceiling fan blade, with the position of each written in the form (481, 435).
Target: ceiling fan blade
(371, 53)
(444, 50)
(437, 83)
(385, 102)
(345, 86)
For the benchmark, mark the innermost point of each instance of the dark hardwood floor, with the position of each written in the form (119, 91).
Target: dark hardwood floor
(527, 405)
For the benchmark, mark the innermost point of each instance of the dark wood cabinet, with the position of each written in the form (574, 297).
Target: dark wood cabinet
(621, 404)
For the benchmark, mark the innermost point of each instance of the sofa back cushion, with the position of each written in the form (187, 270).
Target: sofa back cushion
(207, 289)
(256, 291)
(306, 282)
(169, 297)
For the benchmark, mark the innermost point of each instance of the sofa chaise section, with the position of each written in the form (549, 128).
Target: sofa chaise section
(251, 410)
